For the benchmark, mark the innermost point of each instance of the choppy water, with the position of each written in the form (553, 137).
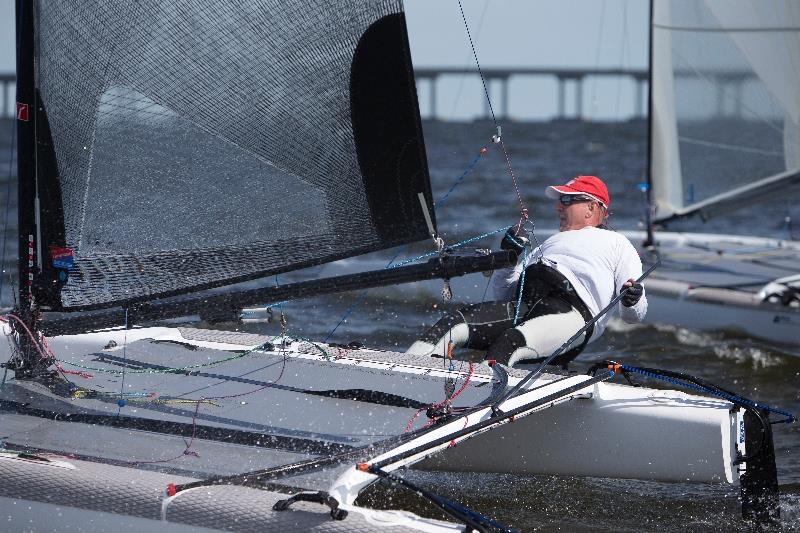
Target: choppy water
(485, 200)
(542, 154)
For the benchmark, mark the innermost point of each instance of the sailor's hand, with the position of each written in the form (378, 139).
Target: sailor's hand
(515, 239)
(634, 293)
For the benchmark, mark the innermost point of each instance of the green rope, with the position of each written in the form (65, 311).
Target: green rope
(187, 368)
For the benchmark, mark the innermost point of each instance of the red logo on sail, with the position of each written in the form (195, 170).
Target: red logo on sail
(22, 112)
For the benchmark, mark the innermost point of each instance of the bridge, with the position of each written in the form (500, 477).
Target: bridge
(430, 76)
(500, 77)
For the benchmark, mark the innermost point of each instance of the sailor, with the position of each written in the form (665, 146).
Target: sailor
(567, 280)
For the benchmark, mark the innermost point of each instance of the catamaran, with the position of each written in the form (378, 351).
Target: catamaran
(169, 149)
(724, 134)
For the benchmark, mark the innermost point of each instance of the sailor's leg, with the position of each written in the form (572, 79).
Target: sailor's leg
(474, 326)
(449, 328)
(538, 336)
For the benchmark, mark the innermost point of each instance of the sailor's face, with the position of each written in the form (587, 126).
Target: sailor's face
(572, 216)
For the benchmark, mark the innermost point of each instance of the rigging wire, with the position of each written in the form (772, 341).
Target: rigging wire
(389, 444)
(199, 401)
(40, 343)
(457, 182)
(456, 245)
(446, 401)
(12, 152)
(498, 138)
(624, 53)
(166, 370)
(43, 349)
(598, 47)
(481, 20)
(524, 216)
(362, 296)
(121, 401)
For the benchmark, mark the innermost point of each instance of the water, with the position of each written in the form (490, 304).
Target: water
(543, 154)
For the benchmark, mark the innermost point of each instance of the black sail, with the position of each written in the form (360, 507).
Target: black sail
(192, 144)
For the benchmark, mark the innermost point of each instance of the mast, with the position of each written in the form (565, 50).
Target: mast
(26, 152)
(27, 361)
(648, 221)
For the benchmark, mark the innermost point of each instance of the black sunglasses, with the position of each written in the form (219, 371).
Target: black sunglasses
(569, 199)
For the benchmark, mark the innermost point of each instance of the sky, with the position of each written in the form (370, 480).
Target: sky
(534, 33)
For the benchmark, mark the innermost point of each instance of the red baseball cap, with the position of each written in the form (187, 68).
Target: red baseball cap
(589, 185)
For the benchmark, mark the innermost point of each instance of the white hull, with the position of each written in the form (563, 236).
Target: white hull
(578, 437)
(617, 431)
(104, 497)
(600, 430)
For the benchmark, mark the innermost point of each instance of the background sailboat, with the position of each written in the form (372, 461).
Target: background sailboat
(724, 134)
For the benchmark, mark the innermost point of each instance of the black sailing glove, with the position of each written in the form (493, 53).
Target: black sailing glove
(633, 295)
(515, 241)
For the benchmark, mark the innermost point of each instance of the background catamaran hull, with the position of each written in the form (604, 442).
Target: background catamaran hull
(712, 282)
(681, 308)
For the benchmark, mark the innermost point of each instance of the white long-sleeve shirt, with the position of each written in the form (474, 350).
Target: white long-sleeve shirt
(596, 261)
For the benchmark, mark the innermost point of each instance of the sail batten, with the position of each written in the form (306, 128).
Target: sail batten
(739, 197)
(200, 144)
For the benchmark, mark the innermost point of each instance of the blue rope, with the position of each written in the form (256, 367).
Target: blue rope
(279, 305)
(730, 397)
(360, 299)
(347, 313)
(474, 515)
(456, 245)
(441, 200)
(363, 295)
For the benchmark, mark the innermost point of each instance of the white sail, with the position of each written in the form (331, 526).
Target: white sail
(725, 109)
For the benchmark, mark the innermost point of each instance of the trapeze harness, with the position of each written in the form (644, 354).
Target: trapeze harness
(490, 325)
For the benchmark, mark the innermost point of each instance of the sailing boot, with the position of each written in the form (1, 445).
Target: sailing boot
(450, 328)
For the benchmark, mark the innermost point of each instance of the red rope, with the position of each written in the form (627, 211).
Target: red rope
(446, 400)
(43, 348)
